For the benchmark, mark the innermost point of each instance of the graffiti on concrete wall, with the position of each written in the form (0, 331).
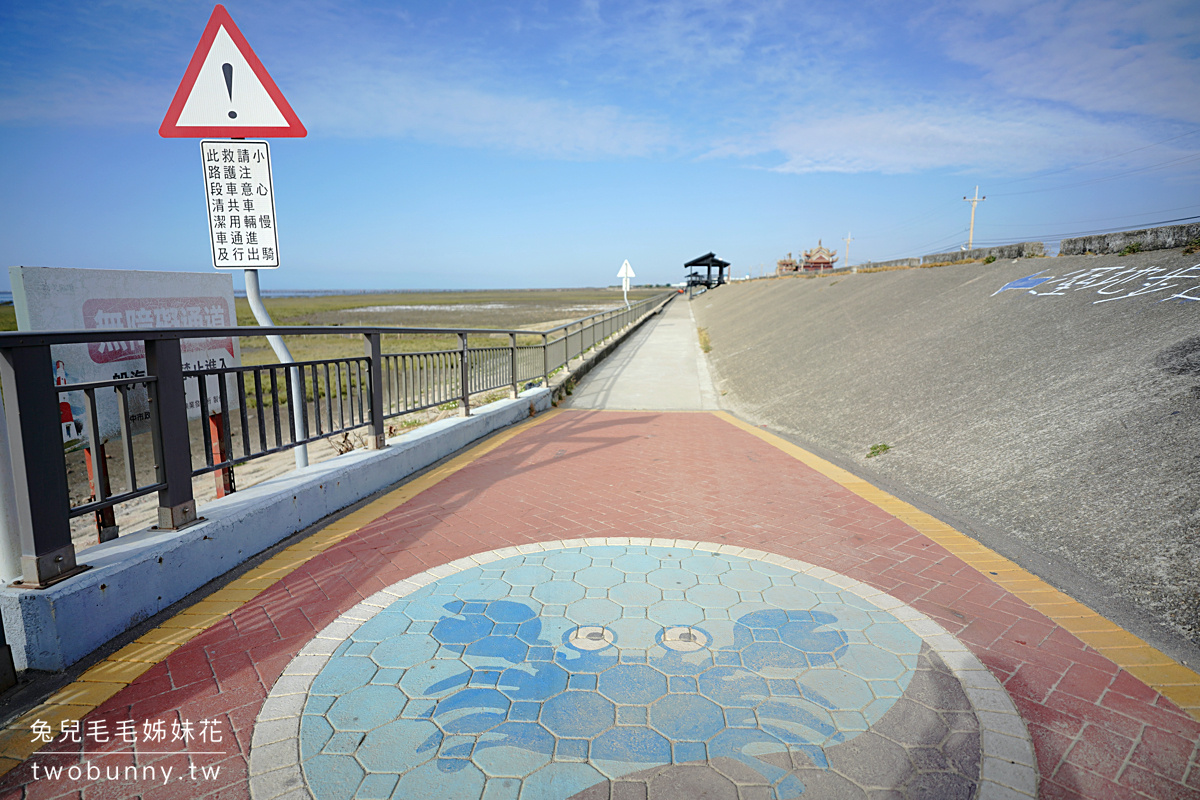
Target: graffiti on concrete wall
(1181, 284)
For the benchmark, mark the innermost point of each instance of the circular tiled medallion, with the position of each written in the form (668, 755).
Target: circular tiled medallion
(563, 670)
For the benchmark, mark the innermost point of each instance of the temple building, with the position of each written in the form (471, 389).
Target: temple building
(819, 258)
(815, 260)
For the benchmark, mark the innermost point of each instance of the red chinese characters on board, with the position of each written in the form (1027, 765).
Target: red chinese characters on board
(156, 312)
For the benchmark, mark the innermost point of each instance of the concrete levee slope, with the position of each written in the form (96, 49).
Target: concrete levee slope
(1057, 419)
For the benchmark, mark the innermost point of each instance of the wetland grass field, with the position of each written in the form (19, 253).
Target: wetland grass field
(508, 309)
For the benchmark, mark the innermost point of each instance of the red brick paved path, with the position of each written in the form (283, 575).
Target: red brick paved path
(1098, 731)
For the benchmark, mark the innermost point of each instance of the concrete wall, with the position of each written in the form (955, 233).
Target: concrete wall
(1019, 250)
(895, 262)
(1163, 238)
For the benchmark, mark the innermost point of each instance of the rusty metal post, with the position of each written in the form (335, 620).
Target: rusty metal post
(96, 460)
(217, 433)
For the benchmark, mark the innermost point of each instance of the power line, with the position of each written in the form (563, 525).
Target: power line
(1099, 219)
(1118, 229)
(1160, 165)
(931, 245)
(1099, 160)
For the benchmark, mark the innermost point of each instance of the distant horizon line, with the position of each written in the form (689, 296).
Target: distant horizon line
(325, 292)
(6, 294)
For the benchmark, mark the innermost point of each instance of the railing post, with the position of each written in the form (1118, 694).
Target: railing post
(464, 400)
(172, 447)
(38, 469)
(546, 360)
(567, 351)
(512, 339)
(374, 348)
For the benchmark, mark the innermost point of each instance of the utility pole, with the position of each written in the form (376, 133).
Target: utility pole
(974, 201)
(848, 240)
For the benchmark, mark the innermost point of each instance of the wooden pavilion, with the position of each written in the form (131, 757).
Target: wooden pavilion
(708, 261)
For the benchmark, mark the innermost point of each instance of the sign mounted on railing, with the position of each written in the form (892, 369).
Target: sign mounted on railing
(241, 204)
(60, 298)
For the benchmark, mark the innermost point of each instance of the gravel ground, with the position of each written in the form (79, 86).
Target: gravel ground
(1061, 428)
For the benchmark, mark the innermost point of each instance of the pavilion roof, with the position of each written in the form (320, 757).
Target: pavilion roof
(707, 260)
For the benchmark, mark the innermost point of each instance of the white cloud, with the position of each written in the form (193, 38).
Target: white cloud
(1003, 85)
(1102, 56)
(383, 102)
(1019, 140)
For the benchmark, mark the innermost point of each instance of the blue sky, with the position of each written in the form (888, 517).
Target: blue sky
(539, 144)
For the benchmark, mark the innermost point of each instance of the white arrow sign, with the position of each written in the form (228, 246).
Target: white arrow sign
(625, 274)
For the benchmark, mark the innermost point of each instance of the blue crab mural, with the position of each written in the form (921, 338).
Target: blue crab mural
(557, 672)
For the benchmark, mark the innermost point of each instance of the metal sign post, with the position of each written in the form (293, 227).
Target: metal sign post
(625, 274)
(241, 227)
(226, 91)
(299, 415)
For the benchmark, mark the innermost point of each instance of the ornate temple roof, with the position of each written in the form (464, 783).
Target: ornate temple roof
(819, 256)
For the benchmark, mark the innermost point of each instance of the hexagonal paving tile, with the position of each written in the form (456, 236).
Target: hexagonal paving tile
(599, 577)
(686, 717)
(366, 708)
(635, 594)
(514, 750)
(744, 580)
(674, 579)
(527, 575)
(578, 715)
(705, 564)
(633, 684)
(558, 592)
(593, 611)
(670, 613)
(714, 596)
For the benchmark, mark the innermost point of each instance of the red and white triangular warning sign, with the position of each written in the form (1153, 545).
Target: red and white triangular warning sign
(226, 91)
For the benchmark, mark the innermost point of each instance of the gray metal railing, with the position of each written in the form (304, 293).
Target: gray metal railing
(245, 412)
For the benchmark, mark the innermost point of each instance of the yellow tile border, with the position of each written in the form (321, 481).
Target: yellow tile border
(1153, 667)
(105, 678)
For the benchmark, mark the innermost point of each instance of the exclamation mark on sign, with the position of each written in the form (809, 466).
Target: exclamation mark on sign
(228, 70)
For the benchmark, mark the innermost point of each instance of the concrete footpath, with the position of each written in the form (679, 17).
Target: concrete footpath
(619, 599)
(659, 368)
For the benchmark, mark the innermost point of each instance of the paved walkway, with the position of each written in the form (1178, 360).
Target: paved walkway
(659, 368)
(625, 604)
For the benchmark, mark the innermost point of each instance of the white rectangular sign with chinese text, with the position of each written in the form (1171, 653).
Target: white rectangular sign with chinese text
(61, 298)
(241, 204)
